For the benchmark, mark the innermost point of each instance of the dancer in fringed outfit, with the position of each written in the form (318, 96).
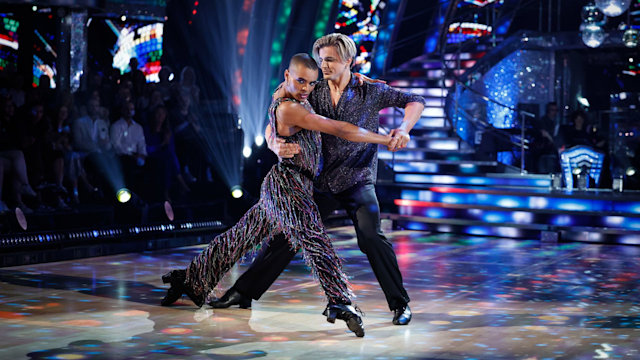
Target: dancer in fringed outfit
(286, 204)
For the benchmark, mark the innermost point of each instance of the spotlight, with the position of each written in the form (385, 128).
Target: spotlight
(630, 39)
(259, 140)
(583, 101)
(123, 195)
(123, 18)
(630, 171)
(592, 35)
(34, 8)
(246, 152)
(613, 8)
(236, 192)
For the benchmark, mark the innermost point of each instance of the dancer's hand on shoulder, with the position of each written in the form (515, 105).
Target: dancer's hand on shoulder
(362, 78)
(279, 92)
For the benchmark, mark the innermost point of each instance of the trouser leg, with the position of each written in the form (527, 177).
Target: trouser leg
(362, 205)
(270, 262)
(274, 257)
(207, 268)
(325, 265)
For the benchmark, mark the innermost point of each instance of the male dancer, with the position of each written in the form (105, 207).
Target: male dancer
(347, 177)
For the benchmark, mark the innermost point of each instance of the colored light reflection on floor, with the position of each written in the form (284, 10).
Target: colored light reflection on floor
(472, 298)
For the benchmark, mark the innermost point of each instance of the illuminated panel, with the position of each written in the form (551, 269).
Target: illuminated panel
(460, 32)
(577, 157)
(44, 51)
(469, 180)
(143, 42)
(323, 18)
(278, 41)
(9, 43)
(436, 210)
(483, 3)
(468, 196)
(360, 20)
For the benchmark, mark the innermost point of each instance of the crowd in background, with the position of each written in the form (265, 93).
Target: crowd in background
(61, 149)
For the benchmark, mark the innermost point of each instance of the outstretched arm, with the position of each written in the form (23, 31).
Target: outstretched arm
(295, 115)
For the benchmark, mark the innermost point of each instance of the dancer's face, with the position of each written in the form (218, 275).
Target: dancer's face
(300, 81)
(332, 65)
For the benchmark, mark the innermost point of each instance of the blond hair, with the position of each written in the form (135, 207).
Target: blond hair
(345, 47)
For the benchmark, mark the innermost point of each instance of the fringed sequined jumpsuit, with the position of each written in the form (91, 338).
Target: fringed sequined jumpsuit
(286, 206)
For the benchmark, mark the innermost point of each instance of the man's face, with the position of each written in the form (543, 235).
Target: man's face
(300, 81)
(552, 111)
(92, 108)
(331, 64)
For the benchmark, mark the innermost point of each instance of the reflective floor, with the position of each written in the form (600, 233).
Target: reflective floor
(472, 298)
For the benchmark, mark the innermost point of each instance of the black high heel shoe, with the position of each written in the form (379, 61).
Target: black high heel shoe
(346, 313)
(177, 278)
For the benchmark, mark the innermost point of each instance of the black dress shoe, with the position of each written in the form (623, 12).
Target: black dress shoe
(346, 313)
(402, 315)
(230, 298)
(173, 294)
(177, 280)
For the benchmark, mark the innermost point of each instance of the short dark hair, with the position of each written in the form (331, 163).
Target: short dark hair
(304, 60)
(576, 114)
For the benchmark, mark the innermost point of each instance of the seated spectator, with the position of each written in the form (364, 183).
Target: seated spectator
(164, 85)
(44, 158)
(5, 166)
(61, 143)
(127, 139)
(187, 85)
(576, 132)
(12, 156)
(91, 144)
(155, 100)
(162, 162)
(543, 143)
(90, 133)
(186, 129)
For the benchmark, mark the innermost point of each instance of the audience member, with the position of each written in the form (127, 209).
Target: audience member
(10, 151)
(163, 166)
(543, 144)
(127, 138)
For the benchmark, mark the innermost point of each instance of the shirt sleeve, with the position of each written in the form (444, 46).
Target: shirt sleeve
(391, 97)
(142, 146)
(115, 138)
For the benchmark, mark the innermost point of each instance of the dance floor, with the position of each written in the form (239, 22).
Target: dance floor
(472, 298)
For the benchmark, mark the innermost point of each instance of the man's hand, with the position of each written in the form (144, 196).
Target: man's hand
(363, 78)
(392, 144)
(283, 149)
(402, 139)
(279, 92)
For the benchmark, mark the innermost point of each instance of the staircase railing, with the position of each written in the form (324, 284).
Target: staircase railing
(465, 105)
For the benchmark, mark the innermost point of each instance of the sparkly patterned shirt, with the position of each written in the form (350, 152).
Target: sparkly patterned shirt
(345, 163)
